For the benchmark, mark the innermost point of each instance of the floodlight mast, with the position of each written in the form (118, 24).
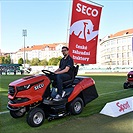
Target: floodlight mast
(24, 34)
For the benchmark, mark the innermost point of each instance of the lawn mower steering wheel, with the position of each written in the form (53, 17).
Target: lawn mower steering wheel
(47, 72)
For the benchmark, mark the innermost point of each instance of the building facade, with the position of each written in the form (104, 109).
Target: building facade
(117, 49)
(44, 51)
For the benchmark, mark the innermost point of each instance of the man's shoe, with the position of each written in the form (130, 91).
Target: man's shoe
(57, 98)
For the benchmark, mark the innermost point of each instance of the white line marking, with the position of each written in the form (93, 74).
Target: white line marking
(4, 112)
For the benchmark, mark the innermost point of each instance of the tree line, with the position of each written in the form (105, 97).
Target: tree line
(34, 62)
(37, 62)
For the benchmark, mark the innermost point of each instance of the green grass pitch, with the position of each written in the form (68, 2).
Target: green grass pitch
(109, 87)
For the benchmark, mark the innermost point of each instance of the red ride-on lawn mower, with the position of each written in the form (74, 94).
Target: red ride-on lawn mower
(34, 95)
(129, 82)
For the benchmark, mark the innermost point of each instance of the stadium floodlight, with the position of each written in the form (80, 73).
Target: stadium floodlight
(24, 34)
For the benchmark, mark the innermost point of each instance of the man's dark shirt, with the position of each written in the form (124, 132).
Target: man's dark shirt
(67, 62)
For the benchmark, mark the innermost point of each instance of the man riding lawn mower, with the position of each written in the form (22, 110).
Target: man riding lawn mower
(41, 95)
(34, 95)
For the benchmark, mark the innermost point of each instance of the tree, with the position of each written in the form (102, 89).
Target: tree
(20, 61)
(35, 62)
(43, 62)
(5, 60)
(59, 58)
(1, 60)
(27, 61)
(54, 61)
(8, 60)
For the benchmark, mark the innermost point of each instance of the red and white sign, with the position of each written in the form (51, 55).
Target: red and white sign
(84, 32)
(118, 108)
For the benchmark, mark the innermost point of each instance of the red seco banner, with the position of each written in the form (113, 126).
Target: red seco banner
(84, 32)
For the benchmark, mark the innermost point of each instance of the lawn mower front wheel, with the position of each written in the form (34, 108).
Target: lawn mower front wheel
(35, 117)
(18, 113)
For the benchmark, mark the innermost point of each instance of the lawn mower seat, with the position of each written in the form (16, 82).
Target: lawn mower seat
(69, 82)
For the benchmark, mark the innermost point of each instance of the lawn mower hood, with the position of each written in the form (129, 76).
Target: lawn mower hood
(27, 90)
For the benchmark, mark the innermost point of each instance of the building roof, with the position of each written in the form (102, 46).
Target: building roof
(121, 33)
(40, 47)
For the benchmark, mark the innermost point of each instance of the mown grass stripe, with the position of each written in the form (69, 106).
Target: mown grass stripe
(111, 92)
